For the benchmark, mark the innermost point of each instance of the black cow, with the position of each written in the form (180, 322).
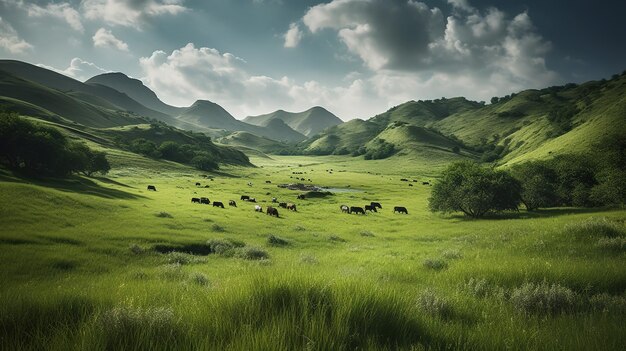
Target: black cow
(410, 184)
(232, 203)
(271, 211)
(218, 204)
(376, 204)
(198, 184)
(291, 206)
(357, 210)
(282, 204)
(206, 186)
(344, 209)
(205, 200)
(274, 200)
(400, 209)
(268, 182)
(245, 197)
(301, 197)
(404, 180)
(152, 187)
(370, 208)
(195, 200)
(425, 183)
(252, 199)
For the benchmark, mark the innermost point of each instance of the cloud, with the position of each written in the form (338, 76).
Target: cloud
(130, 13)
(78, 69)
(62, 11)
(104, 38)
(10, 40)
(403, 41)
(293, 36)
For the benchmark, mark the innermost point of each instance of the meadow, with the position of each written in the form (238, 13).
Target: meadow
(101, 263)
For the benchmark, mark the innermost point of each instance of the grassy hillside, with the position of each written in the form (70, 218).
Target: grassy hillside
(251, 141)
(98, 273)
(308, 123)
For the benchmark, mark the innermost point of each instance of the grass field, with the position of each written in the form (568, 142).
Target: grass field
(92, 264)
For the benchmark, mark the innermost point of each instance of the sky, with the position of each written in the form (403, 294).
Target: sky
(357, 58)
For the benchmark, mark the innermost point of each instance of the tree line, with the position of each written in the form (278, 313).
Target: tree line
(36, 149)
(595, 179)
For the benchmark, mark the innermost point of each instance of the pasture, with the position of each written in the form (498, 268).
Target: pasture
(103, 263)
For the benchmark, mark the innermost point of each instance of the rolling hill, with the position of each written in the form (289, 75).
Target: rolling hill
(308, 123)
(527, 125)
(251, 141)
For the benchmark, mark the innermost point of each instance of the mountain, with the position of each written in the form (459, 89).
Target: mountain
(308, 123)
(251, 141)
(531, 124)
(136, 90)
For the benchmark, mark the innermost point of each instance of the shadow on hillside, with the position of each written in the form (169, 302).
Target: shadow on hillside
(543, 213)
(74, 184)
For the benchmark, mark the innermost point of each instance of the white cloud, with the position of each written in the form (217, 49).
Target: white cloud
(78, 69)
(63, 11)
(293, 36)
(10, 40)
(133, 13)
(104, 38)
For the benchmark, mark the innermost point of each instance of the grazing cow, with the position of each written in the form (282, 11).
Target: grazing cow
(152, 187)
(309, 180)
(292, 207)
(282, 204)
(414, 180)
(357, 210)
(274, 200)
(376, 204)
(302, 179)
(271, 211)
(258, 208)
(301, 197)
(344, 209)
(400, 209)
(198, 184)
(205, 200)
(404, 180)
(252, 199)
(268, 182)
(410, 184)
(245, 197)
(206, 186)
(218, 204)
(211, 179)
(232, 203)
(195, 200)
(370, 208)
(425, 183)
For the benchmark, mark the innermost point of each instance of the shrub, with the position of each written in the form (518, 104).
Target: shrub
(469, 188)
(543, 298)
(224, 247)
(429, 302)
(136, 249)
(217, 228)
(182, 258)
(164, 215)
(200, 279)
(252, 253)
(594, 228)
(478, 287)
(173, 272)
(367, 233)
(538, 184)
(274, 240)
(308, 259)
(612, 244)
(435, 264)
(336, 238)
(608, 303)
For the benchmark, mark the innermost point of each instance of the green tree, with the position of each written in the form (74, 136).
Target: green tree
(538, 184)
(469, 188)
(98, 163)
(204, 163)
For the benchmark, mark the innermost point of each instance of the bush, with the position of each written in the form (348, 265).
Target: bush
(164, 215)
(474, 190)
(252, 253)
(594, 228)
(608, 303)
(224, 247)
(204, 163)
(435, 264)
(478, 287)
(181, 258)
(200, 279)
(273, 240)
(430, 303)
(543, 298)
(538, 184)
(612, 244)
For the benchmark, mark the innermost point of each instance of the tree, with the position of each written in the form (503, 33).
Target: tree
(538, 184)
(204, 163)
(469, 188)
(97, 163)
(494, 100)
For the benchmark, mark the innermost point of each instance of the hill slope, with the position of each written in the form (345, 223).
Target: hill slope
(309, 122)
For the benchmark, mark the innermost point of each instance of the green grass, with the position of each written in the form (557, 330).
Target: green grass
(88, 264)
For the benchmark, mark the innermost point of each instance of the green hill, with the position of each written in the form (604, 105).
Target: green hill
(309, 122)
(252, 141)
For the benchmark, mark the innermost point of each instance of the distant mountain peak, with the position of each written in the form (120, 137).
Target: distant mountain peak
(308, 122)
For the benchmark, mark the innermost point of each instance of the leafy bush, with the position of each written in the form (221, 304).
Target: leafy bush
(224, 247)
(469, 188)
(252, 253)
(478, 287)
(274, 240)
(429, 302)
(543, 298)
(200, 279)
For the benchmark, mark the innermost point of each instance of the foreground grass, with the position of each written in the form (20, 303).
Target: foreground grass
(95, 264)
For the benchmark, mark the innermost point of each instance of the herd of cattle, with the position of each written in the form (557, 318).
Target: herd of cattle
(273, 211)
